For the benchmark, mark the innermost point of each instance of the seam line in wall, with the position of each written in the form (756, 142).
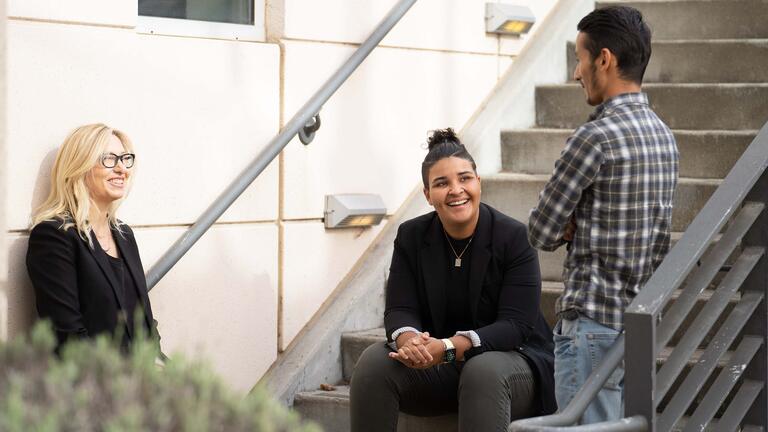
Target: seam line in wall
(281, 203)
(66, 22)
(445, 51)
(179, 225)
(127, 27)
(187, 225)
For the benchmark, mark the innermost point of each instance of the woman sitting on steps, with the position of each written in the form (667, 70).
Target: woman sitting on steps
(462, 312)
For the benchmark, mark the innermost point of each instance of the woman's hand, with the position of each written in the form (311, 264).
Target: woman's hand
(420, 352)
(412, 350)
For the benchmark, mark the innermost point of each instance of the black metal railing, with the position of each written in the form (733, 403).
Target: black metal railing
(729, 331)
(297, 124)
(733, 339)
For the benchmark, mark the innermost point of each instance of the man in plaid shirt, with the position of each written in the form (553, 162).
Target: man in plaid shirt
(609, 199)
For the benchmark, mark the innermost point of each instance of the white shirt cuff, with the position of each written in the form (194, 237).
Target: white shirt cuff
(393, 345)
(472, 336)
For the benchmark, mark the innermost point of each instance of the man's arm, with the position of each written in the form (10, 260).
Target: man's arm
(575, 170)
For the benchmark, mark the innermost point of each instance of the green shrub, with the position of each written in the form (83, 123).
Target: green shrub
(92, 387)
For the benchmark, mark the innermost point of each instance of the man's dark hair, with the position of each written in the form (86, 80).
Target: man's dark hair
(443, 143)
(621, 30)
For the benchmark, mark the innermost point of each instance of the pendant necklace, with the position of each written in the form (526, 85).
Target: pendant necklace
(457, 262)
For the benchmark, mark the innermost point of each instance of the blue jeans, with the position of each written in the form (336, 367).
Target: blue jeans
(580, 345)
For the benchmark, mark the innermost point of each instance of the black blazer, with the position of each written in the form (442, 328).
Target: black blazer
(75, 286)
(504, 291)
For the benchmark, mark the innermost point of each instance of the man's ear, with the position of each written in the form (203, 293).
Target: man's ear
(426, 195)
(606, 59)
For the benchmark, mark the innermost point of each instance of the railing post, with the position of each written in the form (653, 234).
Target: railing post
(758, 323)
(640, 366)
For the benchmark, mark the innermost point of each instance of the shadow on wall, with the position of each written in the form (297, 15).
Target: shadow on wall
(20, 295)
(43, 181)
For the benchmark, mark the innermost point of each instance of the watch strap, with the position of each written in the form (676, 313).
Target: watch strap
(450, 351)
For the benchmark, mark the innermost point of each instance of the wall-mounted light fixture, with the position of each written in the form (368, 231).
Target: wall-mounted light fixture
(507, 19)
(353, 210)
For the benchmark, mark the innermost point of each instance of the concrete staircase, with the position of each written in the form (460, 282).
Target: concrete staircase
(708, 79)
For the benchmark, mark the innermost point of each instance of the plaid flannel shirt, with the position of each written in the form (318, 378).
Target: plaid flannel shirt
(616, 178)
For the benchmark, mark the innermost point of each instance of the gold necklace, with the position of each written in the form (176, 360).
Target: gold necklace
(457, 262)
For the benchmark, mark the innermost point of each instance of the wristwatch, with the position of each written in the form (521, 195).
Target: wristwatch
(450, 351)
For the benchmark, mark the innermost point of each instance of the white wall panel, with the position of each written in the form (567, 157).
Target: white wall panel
(375, 128)
(197, 110)
(3, 165)
(315, 261)
(220, 301)
(108, 12)
(450, 25)
(504, 63)
(455, 25)
(3, 170)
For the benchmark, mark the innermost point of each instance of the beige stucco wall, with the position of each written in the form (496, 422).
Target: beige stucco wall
(3, 204)
(199, 109)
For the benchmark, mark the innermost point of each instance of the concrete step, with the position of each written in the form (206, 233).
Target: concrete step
(516, 194)
(681, 106)
(354, 343)
(678, 19)
(703, 153)
(330, 409)
(702, 61)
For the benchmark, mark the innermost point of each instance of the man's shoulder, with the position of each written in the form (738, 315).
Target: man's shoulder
(592, 132)
(627, 119)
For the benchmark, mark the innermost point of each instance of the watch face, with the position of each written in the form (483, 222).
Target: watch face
(450, 355)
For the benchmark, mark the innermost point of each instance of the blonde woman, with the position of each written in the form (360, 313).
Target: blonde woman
(83, 262)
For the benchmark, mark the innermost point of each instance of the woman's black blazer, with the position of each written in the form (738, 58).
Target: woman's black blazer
(75, 286)
(504, 290)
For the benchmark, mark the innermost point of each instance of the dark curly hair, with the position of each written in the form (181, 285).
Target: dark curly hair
(443, 143)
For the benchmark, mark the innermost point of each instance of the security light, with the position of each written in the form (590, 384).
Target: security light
(507, 19)
(353, 210)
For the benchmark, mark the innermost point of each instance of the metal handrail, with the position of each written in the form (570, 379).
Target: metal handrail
(275, 146)
(563, 421)
(641, 319)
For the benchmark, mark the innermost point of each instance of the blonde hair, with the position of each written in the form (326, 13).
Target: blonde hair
(69, 199)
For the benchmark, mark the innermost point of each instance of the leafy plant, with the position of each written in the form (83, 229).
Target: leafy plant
(93, 387)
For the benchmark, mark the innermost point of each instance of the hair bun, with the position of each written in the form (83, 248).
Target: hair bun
(441, 136)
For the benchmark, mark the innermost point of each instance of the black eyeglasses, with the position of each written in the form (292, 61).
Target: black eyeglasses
(109, 160)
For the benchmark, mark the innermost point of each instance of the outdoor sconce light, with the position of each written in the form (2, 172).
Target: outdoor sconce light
(507, 19)
(353, 210)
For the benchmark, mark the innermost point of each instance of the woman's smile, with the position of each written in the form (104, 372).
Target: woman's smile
(454, 192)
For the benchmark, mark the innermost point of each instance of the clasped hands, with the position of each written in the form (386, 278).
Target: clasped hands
(420, 352)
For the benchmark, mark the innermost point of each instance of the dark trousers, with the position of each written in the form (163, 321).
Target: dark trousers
(488, 391)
